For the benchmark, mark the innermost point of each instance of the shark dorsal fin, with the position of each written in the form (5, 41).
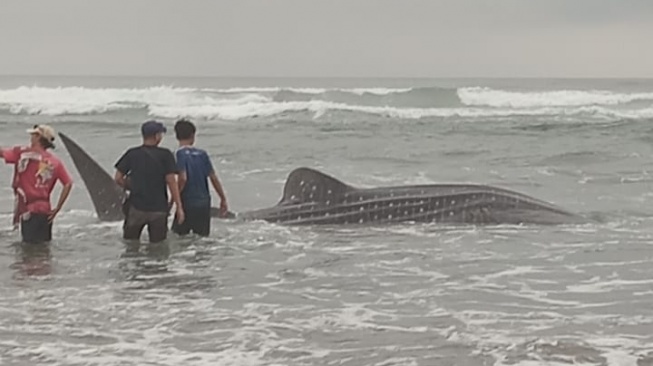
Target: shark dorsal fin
(106, 195)
(305, 185)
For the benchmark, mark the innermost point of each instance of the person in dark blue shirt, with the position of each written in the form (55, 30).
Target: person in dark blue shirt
(194, 169)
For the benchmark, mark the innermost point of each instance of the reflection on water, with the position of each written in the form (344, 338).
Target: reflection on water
(32, 260)
(163, 265)
(144, 260)
(158, 251)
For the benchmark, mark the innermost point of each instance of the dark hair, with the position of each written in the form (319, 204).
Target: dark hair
(47, 144)
(184, 129)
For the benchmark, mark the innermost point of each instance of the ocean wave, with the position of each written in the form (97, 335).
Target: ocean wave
(406, 103)
(319, 108)
(357, 91)
(78, 100)
(401, 98)
(481, 96)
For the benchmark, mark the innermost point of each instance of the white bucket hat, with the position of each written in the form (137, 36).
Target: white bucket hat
(44, 131)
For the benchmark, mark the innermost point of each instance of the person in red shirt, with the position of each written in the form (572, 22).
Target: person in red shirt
(36, 171)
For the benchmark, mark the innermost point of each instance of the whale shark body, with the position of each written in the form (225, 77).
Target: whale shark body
(311, 197)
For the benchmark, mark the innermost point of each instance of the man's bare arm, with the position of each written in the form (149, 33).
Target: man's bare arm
(174, 192)
(5, 153)
(120, 178)
(218, 187)
(65, 192)
(181, 181)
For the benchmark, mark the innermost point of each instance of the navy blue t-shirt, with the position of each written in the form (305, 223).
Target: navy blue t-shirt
(197, 165)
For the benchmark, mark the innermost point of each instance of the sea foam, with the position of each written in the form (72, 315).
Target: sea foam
(396, 103)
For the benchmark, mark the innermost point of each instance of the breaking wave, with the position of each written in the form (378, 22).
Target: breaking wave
(562, 98)
(407, 103)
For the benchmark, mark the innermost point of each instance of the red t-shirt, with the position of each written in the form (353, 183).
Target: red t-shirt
(35, 175)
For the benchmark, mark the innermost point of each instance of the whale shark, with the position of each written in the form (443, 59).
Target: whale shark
(312, 197)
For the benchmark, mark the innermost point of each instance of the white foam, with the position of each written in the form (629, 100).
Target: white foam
(239, 103)
(377, 91)
(319, 108)
(595, 286)
(566, 362)
(357, 91)
(77, 100)
(480, 96)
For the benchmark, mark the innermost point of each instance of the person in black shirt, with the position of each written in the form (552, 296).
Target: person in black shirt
(149, 169)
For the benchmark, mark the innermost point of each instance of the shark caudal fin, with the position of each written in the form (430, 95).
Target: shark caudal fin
(107, 196)
(309, 185)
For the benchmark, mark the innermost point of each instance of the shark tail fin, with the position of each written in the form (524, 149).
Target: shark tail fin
(107, 196)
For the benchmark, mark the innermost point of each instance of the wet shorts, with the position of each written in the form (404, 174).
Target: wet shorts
(136, 220)
(36, 228)
(198, 220)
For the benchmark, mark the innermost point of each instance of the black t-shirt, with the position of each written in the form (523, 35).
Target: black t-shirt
(147, 167)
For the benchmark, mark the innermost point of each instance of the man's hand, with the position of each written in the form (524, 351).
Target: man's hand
(174, 191)
(62, 199)
(224, 209)
(53, 214)
(119, 178)
(181, 216)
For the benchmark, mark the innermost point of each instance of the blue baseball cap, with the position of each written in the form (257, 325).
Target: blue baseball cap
(151, 128)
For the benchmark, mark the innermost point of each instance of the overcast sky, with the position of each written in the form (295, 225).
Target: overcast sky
(364, 38)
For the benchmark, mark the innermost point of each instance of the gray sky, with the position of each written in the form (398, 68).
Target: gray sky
(364, 38)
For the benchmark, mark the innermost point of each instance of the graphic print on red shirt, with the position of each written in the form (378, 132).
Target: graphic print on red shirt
(35, 174)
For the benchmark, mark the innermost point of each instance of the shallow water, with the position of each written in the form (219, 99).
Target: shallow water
(261, 294)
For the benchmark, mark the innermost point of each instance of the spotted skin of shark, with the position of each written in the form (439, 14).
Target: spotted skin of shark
(312, 197)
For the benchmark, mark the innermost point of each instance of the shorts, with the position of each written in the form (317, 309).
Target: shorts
(36, 228)
(136, 220)
(198, 220)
